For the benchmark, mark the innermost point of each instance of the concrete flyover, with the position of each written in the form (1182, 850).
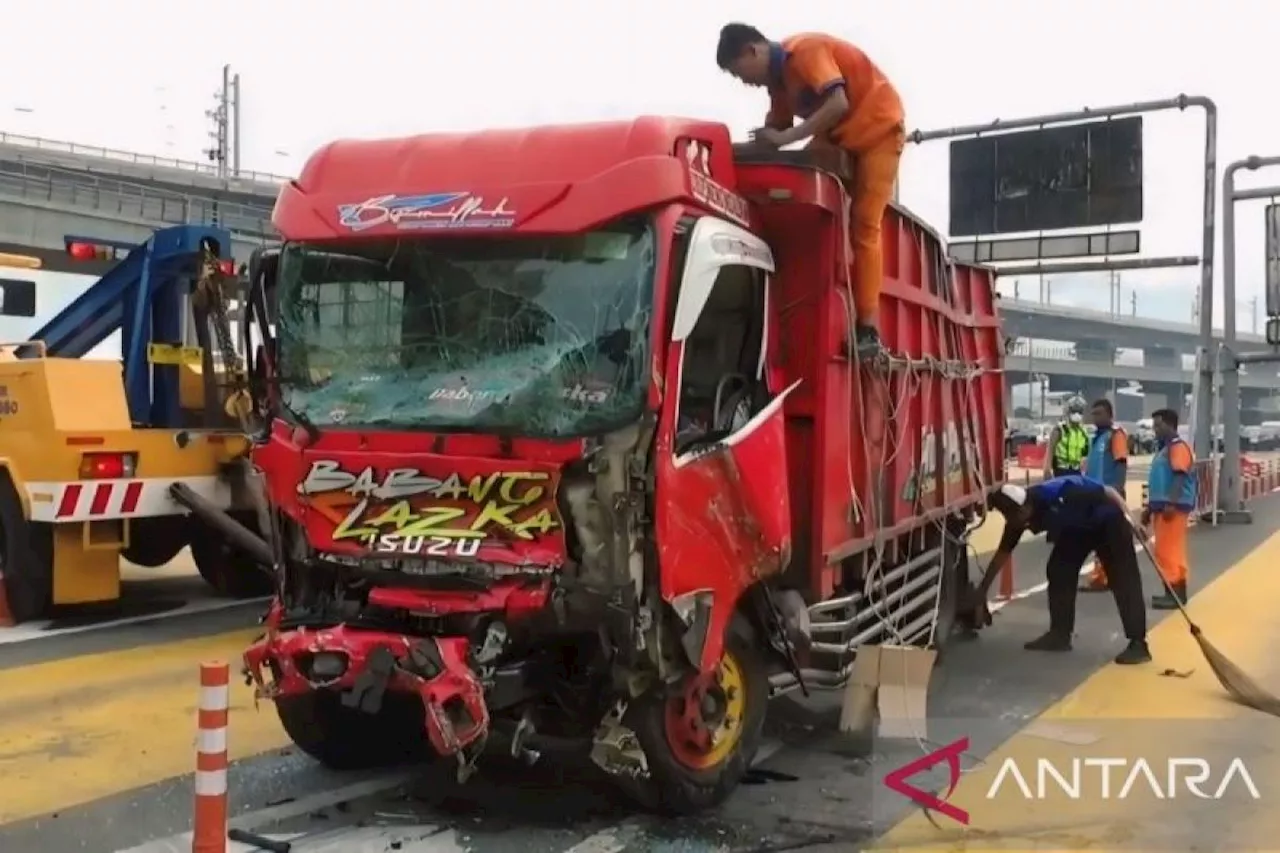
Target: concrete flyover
(1027, 319)
(39, 207)
(1059, 362)
(186, 176)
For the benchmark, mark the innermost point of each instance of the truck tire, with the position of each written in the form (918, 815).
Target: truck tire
(688, 773)
(155, 541)
(343, 738)
(231, 572)
(26, 558)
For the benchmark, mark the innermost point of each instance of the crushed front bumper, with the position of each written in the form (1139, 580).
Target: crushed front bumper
(363, 665)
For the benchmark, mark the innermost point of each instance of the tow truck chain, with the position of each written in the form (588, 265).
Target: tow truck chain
(211, 296)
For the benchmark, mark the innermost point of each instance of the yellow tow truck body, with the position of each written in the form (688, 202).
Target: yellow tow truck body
(85, 480)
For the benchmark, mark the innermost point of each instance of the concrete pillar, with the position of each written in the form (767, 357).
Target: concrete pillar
(1096, 389)
(1162, 357)
(1096, 350)
(1129, 407)
(1152, 401)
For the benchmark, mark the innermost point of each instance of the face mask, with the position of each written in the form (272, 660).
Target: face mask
(1076, 418)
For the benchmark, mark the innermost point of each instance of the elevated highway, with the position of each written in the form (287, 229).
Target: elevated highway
(1027, 319)
(1025, 361)
(51, 189)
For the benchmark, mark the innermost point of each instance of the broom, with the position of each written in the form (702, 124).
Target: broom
(1233, 679)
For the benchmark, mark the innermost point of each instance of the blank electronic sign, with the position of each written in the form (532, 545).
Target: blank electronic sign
(1073, 176)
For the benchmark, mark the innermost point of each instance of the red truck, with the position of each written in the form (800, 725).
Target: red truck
(565, 443)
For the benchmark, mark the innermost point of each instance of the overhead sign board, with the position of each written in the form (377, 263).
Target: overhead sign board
(1072, 176)
(1047, 247)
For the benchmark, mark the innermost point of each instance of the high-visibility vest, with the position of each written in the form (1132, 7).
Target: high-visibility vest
(1160, 479)
(1073, 444)
(1102, 463)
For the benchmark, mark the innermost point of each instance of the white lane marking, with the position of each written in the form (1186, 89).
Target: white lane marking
(30, 631)
(182, 844)
(605, 841)
(997, 604)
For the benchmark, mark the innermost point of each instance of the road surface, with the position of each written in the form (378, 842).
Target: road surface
(96, 743)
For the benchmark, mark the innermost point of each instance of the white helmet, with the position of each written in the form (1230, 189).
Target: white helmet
(1017, 494)
(1075, 409)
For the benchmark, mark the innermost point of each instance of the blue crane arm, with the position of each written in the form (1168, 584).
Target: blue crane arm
(142, 296)
(167, 258)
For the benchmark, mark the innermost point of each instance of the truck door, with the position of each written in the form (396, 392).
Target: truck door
(723, 517)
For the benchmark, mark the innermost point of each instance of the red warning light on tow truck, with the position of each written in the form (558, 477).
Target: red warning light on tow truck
(86, 249)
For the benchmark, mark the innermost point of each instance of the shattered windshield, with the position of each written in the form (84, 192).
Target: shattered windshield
(535, 336)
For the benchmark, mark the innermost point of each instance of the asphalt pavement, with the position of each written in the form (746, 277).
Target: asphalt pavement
(96, 758)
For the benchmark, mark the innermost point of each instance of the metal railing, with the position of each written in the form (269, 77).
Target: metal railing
(208, 169)
(150, 206)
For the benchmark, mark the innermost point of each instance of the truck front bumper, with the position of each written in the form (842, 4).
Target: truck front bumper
(363, 665)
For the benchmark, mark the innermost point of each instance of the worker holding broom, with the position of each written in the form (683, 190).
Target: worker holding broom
(845, 103)
(1106, 463)
(1088, 517)
(1171, 498)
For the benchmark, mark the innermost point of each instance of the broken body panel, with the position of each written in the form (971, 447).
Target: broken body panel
(634, 505)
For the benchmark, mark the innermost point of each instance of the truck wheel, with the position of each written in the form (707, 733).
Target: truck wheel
(700, 739)
(26, 558)
(155, 541)
(230, 571)
(343, 738)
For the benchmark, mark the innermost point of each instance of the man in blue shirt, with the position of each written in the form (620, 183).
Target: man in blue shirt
(1087, 517)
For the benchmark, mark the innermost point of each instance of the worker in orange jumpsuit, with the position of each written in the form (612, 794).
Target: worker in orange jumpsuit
(1108, 464)
(845, 102)
(1171, 498)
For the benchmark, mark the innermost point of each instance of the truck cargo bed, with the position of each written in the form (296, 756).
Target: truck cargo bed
(878, 450)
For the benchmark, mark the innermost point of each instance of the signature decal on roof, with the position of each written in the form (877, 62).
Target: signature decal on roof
(432, 210)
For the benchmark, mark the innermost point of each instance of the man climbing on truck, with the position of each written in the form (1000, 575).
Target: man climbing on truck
(1088, 518)
(845, 102)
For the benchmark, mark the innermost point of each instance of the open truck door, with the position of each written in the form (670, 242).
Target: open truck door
(724, 515)
(257, 327)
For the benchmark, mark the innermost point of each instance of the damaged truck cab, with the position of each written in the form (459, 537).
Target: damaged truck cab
(565, 447)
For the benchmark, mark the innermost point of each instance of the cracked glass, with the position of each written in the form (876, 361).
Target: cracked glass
(515, 335)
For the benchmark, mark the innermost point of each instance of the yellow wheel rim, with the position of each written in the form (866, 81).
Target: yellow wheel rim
(704, 723)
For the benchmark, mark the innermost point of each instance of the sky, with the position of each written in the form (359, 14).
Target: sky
(141, 77)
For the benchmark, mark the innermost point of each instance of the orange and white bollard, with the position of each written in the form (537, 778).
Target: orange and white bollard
(209, 833)
(1006, 580)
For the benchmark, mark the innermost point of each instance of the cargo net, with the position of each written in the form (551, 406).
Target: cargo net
(550, 340)
(891, 598)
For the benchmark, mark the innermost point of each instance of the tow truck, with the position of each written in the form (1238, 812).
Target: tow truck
(89, 448)
(567, 442)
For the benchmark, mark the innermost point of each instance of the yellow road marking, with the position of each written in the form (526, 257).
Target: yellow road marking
(1237, 612)
(81, 728)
